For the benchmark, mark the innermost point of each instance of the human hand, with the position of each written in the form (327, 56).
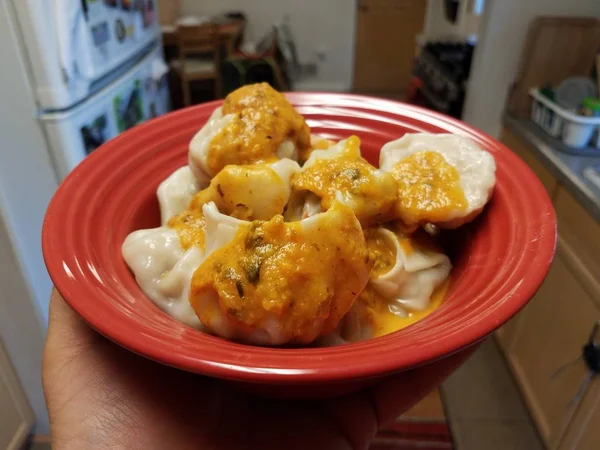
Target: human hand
(100, 395)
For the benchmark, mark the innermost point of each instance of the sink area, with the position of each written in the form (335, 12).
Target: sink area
(579, 174)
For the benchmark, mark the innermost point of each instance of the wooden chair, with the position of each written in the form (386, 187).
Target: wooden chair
(199, 57)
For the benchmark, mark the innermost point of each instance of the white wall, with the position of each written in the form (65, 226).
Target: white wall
(437, 26)
(316, 25)
(496, 61)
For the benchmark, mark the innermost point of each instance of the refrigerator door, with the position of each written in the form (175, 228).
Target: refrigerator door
(76, 47)
(141, 94)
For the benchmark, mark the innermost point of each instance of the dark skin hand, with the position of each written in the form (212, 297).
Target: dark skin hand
(100, 395)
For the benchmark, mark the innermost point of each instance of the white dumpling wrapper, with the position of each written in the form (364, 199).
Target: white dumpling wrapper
(476, 167)
(176, 192)
(220, 229)
(163, 270)
(200, 144)
(319, 155)
(414, 277)
(262, 197)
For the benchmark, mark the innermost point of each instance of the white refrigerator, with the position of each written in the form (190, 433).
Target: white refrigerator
(73, 74)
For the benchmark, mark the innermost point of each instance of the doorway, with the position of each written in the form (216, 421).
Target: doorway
(385, 46)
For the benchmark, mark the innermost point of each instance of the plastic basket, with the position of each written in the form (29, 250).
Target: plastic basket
(575, 131)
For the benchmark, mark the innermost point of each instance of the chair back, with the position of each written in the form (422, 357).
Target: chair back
(198, 40)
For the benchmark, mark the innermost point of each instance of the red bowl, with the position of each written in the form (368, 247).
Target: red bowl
(499, 261)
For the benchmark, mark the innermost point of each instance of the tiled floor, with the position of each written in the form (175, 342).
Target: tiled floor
(484, 407)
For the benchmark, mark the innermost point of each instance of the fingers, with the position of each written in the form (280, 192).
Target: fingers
(67, 332)
(397, 394)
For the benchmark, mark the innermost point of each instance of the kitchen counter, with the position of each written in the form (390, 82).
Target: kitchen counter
(567, 168)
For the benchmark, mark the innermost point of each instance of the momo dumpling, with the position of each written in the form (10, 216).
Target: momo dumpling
(256, 192)
(163, 270)
(176, 192)
(278, 282)
(316, 143)
(443, 179)
(340, 173)
(256, 124)
(253, 192)
(406, 272)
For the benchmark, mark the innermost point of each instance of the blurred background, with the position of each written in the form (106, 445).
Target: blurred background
(76, 73)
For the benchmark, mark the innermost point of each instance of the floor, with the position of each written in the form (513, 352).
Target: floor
(484, 407)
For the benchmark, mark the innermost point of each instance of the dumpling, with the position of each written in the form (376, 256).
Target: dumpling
(176, 193)
(406, 272)
(340, 173)
(163, 266)
(277, 282)
(163, 270)
(443, 179)
(201, 143)
(256, 124)
(320, 143)
(316, 143)
(254, 192)
(412, 274)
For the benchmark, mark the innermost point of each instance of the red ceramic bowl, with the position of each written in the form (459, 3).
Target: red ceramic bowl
(499, 261)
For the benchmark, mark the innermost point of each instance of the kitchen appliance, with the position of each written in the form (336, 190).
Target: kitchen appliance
(74, 74)
(140, 94)
(96, 69)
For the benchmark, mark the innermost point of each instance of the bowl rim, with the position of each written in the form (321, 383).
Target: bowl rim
(272, 371)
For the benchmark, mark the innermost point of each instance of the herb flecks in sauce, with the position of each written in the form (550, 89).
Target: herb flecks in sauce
(369, 193)
(296, 275)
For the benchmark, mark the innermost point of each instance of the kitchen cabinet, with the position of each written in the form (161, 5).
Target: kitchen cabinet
(16, 417)
(551, 330)
(590, 438)
(585, 436)
(384, 53)
(582, 233)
